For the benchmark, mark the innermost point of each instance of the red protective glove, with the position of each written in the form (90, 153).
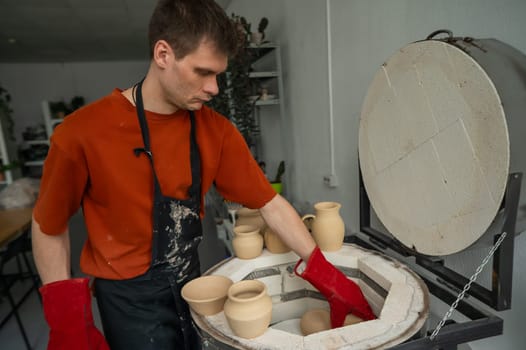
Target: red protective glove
(67, 308)
(344, 296)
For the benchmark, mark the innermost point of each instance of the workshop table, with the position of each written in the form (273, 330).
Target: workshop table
(14, 242)
(13, 222)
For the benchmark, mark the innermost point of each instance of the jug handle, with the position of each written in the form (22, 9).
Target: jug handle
(307, 220)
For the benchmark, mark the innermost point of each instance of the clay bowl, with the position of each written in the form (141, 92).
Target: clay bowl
(206, 295)
(317, 320)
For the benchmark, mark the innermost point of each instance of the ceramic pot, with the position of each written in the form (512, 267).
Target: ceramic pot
(247, 216)
(206, 295)
(256, 38)
(247, 242)
(273, 243)
(248, 308)
(327, 226)
(318, 320)
(277, 186)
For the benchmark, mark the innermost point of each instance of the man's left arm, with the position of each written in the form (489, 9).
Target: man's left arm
(344, 295)
(283, 219)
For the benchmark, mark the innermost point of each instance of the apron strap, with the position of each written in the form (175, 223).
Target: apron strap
(195, 162)
(194, 191)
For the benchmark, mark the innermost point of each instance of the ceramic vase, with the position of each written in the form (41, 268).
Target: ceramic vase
(247, 242)
(247, 216)
(327, 226)
(248, 308)
(273, 243)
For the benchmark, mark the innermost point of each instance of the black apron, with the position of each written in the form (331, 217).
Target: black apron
(147, 312)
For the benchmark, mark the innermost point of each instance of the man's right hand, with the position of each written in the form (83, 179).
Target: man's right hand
(67, 308)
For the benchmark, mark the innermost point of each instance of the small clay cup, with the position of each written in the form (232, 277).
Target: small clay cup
(247, 242)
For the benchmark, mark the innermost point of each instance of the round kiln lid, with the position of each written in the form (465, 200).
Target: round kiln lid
(434, 147)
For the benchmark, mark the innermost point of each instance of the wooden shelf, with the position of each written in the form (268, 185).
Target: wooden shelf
(34, 163)
(267, 102)
(37, 142)
(263, 74)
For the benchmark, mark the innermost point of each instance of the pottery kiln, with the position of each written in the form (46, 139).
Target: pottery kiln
(441, 137)
(397, 296)
(439, 132)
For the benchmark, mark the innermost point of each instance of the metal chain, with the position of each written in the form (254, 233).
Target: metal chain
(468, 285)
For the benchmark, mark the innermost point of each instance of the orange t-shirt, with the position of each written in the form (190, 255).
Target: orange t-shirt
(91, 163)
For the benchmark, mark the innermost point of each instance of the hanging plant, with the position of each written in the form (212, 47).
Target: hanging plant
(235, 86)
(6, 113)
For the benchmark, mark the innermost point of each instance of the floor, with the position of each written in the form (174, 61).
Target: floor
(211, 252)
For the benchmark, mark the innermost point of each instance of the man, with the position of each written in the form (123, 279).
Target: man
(139, 161)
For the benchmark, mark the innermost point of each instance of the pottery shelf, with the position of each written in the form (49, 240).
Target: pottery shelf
(36, 150)
(34, 163)
(267, 102)
(263, 74)
(269, 109)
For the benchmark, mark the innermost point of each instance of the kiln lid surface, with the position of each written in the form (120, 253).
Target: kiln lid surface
(434, 147)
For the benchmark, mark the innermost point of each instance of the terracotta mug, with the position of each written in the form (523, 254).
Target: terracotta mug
(326, 225)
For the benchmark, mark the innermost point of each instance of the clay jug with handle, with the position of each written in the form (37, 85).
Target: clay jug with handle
(326, 225)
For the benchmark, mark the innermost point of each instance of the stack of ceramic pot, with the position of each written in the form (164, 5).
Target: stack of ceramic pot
(247, 216)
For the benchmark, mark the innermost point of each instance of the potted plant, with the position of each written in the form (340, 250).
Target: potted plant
(277, 183)
(7, 167)
(61, 109)
(257, 38)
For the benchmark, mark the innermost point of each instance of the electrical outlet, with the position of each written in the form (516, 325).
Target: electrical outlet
(330, 180)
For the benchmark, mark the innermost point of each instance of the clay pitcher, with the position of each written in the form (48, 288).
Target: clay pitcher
(327, 226)
(247, 242)
(248, 308)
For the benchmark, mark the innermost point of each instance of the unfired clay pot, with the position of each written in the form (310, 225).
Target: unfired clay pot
(206, 295)
(317, 320)
(273, 243)
(327, 227)
(246, 216)
(247, 242)
(248, 308)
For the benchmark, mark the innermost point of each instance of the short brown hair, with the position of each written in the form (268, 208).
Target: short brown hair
(185, 23)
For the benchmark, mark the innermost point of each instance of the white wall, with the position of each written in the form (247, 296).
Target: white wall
(29, 84)
(365, 33)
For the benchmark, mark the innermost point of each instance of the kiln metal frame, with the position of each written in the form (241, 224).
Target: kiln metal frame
(448, 283)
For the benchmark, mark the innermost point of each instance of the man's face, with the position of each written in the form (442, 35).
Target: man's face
(191, 81)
